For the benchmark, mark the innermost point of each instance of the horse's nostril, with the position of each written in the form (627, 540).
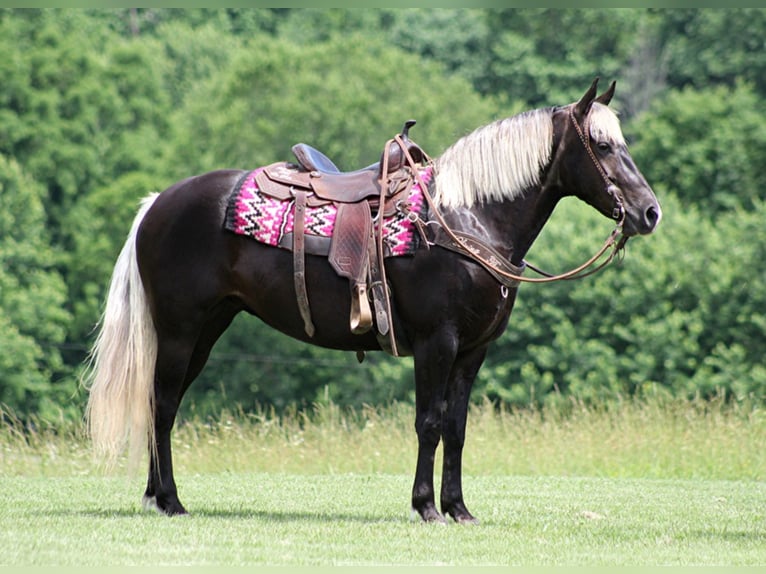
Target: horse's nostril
(652, 215)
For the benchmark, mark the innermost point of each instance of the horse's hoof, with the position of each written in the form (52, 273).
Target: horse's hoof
(466, 519)
(460, 514)
(149, 503)
(430, 515)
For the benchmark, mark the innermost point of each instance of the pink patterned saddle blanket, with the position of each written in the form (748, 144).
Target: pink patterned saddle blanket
(271, 221)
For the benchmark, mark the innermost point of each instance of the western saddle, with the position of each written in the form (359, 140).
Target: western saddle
(362, 197)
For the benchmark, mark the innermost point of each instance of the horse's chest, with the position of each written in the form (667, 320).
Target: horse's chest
(485, 316)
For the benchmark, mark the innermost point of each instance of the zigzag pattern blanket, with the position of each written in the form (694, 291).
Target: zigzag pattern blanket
(266, 219)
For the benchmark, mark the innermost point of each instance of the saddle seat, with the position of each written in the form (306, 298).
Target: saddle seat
(332, 184)
(311, 159)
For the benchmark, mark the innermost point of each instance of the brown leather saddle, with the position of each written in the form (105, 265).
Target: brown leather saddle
(362, 197)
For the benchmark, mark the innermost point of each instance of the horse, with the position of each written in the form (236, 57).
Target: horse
(181, 278)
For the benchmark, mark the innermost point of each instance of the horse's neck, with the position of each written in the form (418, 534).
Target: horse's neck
(509, 226)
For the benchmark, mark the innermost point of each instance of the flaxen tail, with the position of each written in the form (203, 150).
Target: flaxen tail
(120, 374)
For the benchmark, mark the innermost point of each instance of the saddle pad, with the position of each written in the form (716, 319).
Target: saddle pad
(266, 219)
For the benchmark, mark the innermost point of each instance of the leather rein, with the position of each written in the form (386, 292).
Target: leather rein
(508, 274)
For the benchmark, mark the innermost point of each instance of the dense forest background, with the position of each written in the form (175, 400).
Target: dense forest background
(100, 107)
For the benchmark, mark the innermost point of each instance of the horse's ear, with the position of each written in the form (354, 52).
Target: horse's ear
(583, 106)
(606, 97)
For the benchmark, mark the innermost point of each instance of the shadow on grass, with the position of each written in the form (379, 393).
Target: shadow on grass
(300, 516)
(728, 535)
(244, 514)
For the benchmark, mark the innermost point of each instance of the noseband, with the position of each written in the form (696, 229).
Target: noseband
(508, 274)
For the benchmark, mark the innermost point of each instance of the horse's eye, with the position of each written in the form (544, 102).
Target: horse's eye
(604, 147)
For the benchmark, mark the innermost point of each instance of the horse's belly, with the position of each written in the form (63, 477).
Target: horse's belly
(265, 283)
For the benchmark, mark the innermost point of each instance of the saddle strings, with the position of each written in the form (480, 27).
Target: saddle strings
(379, 241)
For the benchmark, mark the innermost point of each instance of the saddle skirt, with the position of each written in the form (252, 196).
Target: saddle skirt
(271, 221)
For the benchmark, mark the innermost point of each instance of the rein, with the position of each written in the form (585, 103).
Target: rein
(508, 274)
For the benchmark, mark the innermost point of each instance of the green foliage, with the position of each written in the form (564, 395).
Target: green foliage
(190, 58)
(705, 47)
(707, 147)
(277, 93)
(33, 320)
(680, 315)
(77, 110)
(135, 22)
(456, 38)
(101, 220)
(100, 106)
(546, 56)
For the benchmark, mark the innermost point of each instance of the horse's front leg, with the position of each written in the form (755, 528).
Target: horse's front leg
(459, 387)
(433, 362)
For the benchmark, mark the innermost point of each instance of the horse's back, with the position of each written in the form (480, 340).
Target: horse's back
(205, 194)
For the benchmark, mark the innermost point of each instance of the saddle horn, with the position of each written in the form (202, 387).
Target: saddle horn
(396, 156)
(406, 129)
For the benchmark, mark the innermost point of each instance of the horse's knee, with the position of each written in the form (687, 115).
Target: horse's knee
(428, 429)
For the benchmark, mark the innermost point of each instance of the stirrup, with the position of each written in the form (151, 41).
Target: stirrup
(361, 314)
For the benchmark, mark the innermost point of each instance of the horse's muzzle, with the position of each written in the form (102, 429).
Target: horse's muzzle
(642, 219)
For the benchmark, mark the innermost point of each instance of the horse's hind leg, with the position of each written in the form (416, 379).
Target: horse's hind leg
(179, 361)
(173, 358)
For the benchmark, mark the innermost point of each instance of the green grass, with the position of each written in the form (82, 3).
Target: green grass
(636, 484)
(272, 518)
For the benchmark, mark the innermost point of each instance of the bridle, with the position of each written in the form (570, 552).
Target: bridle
(508, 274)
(611, 189)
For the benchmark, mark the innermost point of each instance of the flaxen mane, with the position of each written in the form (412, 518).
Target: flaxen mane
(502, 159)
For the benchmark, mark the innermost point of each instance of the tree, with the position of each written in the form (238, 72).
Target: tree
(706, 146)
(33, 318)
(682, 315)
(99, 107)
(100, 220)
(545, 56)
(714, 47)
(76, 109)
(274, 95)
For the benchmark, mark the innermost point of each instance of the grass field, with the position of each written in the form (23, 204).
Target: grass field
(658, 484)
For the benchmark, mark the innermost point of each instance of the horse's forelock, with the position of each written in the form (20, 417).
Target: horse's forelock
(605, 125)
(495, 162)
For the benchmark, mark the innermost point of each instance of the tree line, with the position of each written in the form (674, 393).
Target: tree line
(99, 107)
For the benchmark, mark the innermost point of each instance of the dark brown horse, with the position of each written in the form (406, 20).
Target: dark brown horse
(182, 277)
